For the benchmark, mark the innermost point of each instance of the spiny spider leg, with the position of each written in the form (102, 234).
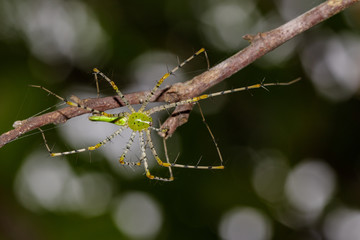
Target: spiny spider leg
(167, 158)
(74, 104)
(127, 148)
(144, 158)
(161, 163)
(91, 148)
(113, 85)
(210, 132)
(205, 96)
(161, 80)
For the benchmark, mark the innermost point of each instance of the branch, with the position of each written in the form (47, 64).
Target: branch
(260, 44)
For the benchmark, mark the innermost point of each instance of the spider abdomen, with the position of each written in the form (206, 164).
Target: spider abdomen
(138, 121)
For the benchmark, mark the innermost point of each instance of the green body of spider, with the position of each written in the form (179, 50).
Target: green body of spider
(136, 121)
(139, 121)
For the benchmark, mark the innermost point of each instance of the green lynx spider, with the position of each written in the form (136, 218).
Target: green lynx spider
(141, 121)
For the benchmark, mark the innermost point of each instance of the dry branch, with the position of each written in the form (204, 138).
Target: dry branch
(260, 44)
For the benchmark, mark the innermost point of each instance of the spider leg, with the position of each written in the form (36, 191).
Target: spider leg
(127, 148)
(161, 163)
(113, 85)
(144, 158)
(210, 132)
(167, 158)
(168, 74)
(205, 96)
(91, 148)
(156, 156)
(74, 104)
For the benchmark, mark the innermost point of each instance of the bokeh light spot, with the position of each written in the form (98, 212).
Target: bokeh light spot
(137, 215)
(269, 175)
(342, 224)
(245, 224)
(45, 183)
(309, 187)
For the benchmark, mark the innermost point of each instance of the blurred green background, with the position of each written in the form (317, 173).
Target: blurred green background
(291, 154)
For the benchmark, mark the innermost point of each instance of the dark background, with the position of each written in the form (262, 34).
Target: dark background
(291, 153)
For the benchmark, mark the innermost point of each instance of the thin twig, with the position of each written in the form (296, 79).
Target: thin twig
(260, 44)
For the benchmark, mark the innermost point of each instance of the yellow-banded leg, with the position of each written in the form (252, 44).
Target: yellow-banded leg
(74, 104)
(168, 74)
(144, 159)
(91, 148)
(127, 148)
(210, 95)
(161, 163)
(113, 85)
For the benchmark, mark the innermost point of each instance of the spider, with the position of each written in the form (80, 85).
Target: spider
(141, 122)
